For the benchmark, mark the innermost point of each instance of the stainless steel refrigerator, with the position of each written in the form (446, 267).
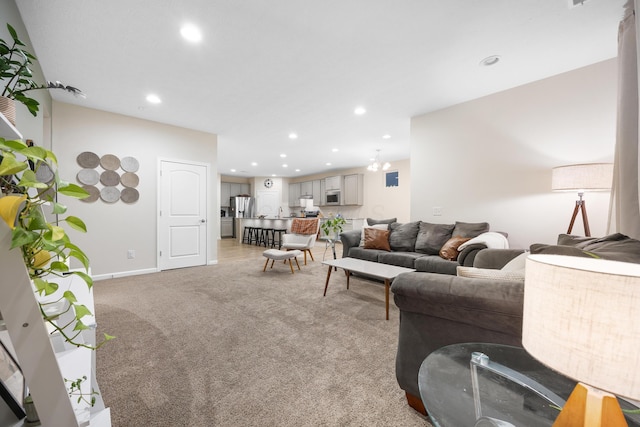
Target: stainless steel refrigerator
(241, 207)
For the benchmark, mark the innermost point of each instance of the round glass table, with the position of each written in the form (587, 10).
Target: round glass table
(486, 385)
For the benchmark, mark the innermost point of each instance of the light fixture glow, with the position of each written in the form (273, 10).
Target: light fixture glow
(283, 155)
(191, 33)
(327, 164)
(293, 136)
(386, 136)
(377, 163)
(285, 165)
(153, 99)
(359, 111)
(334, 150)
(254, 164)
(297, 170)
(233, 170)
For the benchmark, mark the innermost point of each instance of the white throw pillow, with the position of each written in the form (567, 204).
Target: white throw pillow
(491, 239)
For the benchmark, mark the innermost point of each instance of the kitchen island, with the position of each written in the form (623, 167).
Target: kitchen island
(285, 224)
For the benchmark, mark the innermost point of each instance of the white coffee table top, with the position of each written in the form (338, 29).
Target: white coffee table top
(383, 271)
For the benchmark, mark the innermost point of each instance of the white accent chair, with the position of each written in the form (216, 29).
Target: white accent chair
(302, 242)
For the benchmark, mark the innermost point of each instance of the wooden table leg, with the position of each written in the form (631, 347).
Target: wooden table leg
(326, 285)
(386, 296)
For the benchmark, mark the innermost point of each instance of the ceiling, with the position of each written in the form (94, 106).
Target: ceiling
(265, 69)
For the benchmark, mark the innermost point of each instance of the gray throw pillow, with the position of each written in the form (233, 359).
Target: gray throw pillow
(431, 237)
(470, 229)
(403, 236)
(372, 221)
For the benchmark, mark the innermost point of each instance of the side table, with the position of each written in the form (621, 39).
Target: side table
(479, 384)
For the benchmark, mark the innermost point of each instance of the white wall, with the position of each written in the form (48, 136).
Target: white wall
(490, 159)
(115, 228)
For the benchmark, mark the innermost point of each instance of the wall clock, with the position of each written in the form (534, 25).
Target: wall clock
(268, 183)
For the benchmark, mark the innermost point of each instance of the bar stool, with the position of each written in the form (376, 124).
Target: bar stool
(265, 237)
(254, 235)
(280, 232)
(246, 234)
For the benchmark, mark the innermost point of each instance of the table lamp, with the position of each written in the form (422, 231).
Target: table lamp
(581, 178)
(582, 318)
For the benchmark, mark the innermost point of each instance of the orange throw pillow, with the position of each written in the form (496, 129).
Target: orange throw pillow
(450, 249)
(376, 239)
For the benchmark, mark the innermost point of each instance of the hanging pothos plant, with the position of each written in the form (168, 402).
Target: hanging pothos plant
(46, 248)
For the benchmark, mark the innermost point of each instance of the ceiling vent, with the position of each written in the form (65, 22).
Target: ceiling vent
(574, 3)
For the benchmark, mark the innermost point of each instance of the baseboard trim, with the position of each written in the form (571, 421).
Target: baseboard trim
(124, 274)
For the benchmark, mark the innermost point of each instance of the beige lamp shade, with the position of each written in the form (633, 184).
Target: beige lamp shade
(582, 319)
(590, 176)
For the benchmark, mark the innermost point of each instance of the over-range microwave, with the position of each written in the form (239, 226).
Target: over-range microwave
(332, 197)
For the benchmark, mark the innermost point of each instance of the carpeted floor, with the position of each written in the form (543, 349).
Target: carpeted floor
(229, 345)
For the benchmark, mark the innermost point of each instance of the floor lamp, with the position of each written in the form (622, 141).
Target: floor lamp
(581, 178)
(580, 319)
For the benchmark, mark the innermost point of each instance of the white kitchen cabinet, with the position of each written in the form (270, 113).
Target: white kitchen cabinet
(236, 189)
(333, 183)
(294, 195)
(323, 194)
(316, 192)
(245, 189)
(225, 194)
(353, 189)
(226, 227)
(306, 189)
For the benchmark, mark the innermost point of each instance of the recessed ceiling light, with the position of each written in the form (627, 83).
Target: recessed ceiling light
(233, 170)
(386, 136)
(297, 170)
(490, 60)
(335, 150)
(274, 175)
(293, 136)
(327, 164)
(191, 33)
(254, 164)
(359, 111)
(153, 99)
(283, 155)
(285, 165)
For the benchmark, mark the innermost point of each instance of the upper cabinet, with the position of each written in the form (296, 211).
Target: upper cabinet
(306, 189)
(316, 192)
(232, 189)
(353, 189)
(294, 194)
(333, 183)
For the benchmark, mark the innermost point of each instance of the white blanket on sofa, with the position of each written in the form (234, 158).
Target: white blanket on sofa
(491, 239)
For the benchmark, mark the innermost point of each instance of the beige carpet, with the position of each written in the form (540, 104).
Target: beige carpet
(229, 345)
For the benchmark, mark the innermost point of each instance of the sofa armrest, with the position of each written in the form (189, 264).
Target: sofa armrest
(495, 258)
(468, 254)
(350, 239)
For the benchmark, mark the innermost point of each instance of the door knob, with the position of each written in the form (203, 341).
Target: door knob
(202, 220)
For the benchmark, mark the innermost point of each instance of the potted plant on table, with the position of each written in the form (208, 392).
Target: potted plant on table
(18, 80)
(333, 226)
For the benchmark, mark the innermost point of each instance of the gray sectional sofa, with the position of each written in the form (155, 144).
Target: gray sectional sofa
(485, 306)
(417, 245)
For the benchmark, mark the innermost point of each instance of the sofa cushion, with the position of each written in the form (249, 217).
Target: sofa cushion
(489, 273)
(435, 264)
(401, 259)
(431, 237)
(359, 252)
(376, 239)
(372, 221)
(615, 247)
(402, 237)
(449, 250)
(470, 229)
(540, 248)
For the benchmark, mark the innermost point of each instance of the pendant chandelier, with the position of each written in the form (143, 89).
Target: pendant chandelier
(377, 163)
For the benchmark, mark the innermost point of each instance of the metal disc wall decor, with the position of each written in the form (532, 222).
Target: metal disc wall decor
(44, 173)
(109, 178)
(110, 194)
(129, 179)
(129, 195)
(94, 194)
(110, 162)
(129, 164)
(110, 172)
(88, 160)
(88, 177)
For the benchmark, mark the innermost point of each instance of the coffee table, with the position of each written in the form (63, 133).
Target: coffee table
(480, 384)
(381, 271)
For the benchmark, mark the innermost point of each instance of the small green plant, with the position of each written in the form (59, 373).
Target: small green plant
(45, 246)
(75, 389)
(17, 77)
(333, 225)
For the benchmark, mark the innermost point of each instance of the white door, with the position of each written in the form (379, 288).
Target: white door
(183, 215)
